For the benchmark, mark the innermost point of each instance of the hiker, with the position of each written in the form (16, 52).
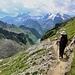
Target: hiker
(62, 43)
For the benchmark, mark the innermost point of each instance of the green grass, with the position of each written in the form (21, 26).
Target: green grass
(14, 64)
(14, 28)
(17, 63)
(69, 29)
(17, 30)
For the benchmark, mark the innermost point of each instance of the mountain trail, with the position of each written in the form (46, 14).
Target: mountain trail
(62, 63)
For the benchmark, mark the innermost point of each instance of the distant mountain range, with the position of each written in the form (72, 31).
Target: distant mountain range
(40, 23)
(14, 39)
(42, 58)
(49, 20)
(31, 30)
(19, 34)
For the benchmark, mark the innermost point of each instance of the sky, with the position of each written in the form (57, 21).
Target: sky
(36, 7)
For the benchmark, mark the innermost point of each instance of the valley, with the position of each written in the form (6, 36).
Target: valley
(37, 37)
(23, 57)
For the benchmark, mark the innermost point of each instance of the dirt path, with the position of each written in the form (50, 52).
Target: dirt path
(61, 66)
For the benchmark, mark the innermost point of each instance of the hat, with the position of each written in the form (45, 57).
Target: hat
(63, 33)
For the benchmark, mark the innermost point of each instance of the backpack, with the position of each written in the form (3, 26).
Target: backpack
(64, 39)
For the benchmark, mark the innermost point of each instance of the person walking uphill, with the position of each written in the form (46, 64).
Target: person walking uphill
(62, 43)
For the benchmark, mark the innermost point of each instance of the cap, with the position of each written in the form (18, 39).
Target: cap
(63, 33)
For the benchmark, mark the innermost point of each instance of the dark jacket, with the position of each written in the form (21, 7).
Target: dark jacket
(63, 40)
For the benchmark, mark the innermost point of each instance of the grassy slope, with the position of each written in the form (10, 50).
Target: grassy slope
(13, 64)
(69, 27)
(18, 30)
(14, 29)
(20, 62)
(17, 63)
(70, 30)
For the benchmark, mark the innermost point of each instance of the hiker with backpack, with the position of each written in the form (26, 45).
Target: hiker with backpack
(62, 43)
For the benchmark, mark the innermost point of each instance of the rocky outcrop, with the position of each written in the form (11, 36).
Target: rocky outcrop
(9, 48)
(39, 59)
(36, 60)
(43, 57)
(69, 49)
(69, 52)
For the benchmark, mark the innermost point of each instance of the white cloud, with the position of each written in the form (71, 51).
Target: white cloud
(15, 1)
(16, 9)
(5, 10)
(37, 6)
(29, 3)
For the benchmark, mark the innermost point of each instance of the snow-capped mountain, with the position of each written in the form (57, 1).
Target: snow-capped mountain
(18, 20)
(40, 23)
(53, 16)
(49, 20)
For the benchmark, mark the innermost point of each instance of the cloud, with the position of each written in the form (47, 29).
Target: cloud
(37, 7)
(65, 6)
(5, 10)
(16, 9)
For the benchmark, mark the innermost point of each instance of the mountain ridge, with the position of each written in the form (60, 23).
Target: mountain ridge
(31, 32)
(42, 58)
(57, 27)
(46, 22)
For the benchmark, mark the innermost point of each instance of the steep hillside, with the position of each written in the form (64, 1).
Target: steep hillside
(39, 59)
(9, 48)
(42, 58)
(23, 19)
(41, 23)
(33, 24)
(35, 60)
(19, 38)
(10, 27)
(68, 26)
(30, 32)
(72, 71)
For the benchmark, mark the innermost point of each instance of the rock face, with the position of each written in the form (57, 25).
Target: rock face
(9, 48)
(69, 52)
(70, 47)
